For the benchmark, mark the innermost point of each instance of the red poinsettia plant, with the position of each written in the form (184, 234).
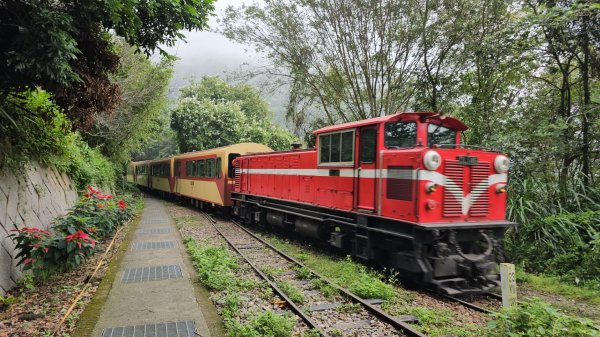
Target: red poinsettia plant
(32, 243)
(74, 236)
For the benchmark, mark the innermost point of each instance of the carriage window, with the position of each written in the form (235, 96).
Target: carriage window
(437, 134)
(336, 147)
(190, 168)
(201, 168)
(368, 141)
(177, 169)
(210, 168)
(218, 167)
(400, 134)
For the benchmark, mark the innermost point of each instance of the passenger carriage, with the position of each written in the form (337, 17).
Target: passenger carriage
(207, 176)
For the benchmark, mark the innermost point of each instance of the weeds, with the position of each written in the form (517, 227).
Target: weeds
(536, 318)
(215, 266)
(272, 272)
(349, 308)
(292, 292)
(325, 289)
(267, 324)
(303, 273)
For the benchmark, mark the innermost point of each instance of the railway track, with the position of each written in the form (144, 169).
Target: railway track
(360, 317)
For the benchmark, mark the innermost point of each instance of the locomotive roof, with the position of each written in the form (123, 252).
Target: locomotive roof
(431, 116)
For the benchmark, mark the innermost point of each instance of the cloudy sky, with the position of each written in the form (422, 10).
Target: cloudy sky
(208, 53)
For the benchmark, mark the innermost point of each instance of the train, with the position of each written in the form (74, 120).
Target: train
(398, 191)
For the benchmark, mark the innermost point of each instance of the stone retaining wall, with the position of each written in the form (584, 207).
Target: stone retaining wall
(32, 199)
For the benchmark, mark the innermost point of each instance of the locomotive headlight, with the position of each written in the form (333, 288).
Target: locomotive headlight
(432, 160)
(501, 164)
(430, 187)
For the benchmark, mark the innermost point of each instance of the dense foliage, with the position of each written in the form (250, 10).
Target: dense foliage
(73, 237)
(44, 136)
(143, 89)
(66, 47)
(212, 113)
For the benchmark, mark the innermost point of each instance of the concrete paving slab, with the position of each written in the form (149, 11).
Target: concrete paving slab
(151, 302)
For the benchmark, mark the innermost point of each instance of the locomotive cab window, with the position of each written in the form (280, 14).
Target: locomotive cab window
(336, 148)
(438, 134)
(400, 134)
(218, 167)
(368, 145)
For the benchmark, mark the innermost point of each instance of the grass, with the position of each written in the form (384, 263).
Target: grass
(292, 292)
(217, 270)
(534, 317)
(215, 267)
(553, 285)
(357, 278)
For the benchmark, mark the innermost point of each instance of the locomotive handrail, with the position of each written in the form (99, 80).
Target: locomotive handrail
(466, 146)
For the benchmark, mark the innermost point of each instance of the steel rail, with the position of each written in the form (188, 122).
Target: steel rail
(378, 313)
(468, 304)
(311, 324)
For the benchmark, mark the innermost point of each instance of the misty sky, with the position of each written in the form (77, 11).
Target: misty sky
(208, 53)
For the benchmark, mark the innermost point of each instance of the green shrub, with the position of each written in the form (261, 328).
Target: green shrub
(565, 245)
(40, 131)
(303, 273)
(535, 318)
(34, 129)
(214, 265)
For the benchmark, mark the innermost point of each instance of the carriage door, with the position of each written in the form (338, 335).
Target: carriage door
(365, 171)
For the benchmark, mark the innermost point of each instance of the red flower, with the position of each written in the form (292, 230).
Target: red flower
(32, 230)
(91, 192)
(91, 229)
(36, 245)
(104, 196)
(122, 204)
(99, 205)
(78, 235)
(45, 249)
(28, 261)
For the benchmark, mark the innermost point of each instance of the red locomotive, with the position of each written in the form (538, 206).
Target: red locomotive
(399, 191)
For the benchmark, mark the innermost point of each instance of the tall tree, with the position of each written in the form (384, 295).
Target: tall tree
(65, 46)
(143, 89)
(353, 59)
(213, 113)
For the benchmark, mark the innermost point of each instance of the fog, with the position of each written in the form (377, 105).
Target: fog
(208, 53)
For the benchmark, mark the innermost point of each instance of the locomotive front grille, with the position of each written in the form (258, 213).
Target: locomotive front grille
(454, 172)
(479, 189)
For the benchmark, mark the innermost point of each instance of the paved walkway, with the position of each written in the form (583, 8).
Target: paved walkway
(153, 294)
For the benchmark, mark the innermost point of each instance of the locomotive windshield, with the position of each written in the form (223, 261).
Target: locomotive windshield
(400, 134)
(438, 134)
